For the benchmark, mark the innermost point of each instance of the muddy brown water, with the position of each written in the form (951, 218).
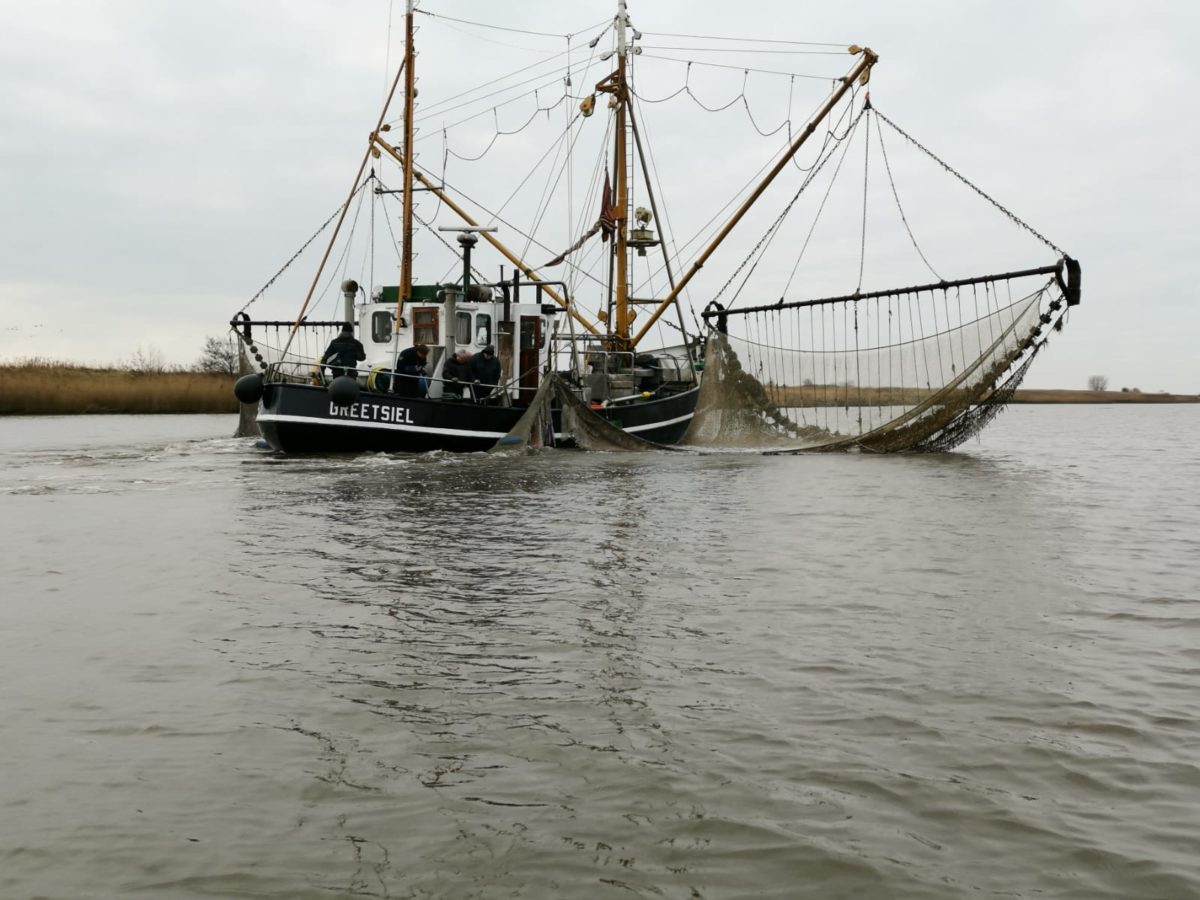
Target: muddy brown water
(229, 674)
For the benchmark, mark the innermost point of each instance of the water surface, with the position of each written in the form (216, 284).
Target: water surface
(229, 674)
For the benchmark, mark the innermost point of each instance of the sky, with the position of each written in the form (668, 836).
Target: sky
(161, 159)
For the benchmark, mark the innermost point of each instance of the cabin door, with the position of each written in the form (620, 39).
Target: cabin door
(527, 359)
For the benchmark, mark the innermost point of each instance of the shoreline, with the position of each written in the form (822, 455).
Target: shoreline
(1055, 395)
(49, 390)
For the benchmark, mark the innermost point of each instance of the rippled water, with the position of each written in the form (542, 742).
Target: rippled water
(226, 674)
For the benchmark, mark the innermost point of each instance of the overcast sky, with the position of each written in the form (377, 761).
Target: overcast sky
(160, 159)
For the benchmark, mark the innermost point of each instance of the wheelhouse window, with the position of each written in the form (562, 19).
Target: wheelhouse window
(381, 326)
(425, 325)
(483, 329)
(462, 328)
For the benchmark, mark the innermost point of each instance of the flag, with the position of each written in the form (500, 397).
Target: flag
(608, 212)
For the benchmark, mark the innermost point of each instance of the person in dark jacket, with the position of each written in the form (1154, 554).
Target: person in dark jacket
(343, 352)
(485, 372)
(456, 374)
(410, 368)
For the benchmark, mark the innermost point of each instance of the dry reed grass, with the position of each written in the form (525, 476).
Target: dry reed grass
(45, 387)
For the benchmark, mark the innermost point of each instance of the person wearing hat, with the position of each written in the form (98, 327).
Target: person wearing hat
(485, 372)
(410, 366)
(343, 352)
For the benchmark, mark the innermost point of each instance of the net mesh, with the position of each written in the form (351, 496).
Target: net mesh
(589, 430)
(914, 370)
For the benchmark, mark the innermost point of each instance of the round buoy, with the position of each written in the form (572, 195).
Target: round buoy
(248, 388)
(343, 390)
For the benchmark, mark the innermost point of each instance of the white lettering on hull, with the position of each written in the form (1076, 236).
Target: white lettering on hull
(372, 412)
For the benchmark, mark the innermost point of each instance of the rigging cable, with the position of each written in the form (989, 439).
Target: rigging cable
(713, 65)
(713, 37)
(303, 247)
(553, 77)
(977, 190)
(765, 242)
(841, 52)
(830, 133)
(772, 230)
(500, 132)
(437, 104)
(504, 28)
(821, 208)
(862, 250)
(387, 55)
(903, 218)
(543, 206)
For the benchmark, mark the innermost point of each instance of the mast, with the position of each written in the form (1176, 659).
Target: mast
(615, 84)
(405, 292)
(621, 331)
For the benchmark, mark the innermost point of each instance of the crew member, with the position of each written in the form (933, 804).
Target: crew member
(411, 380)
(343, 352)
(485, 372)
(456, 374)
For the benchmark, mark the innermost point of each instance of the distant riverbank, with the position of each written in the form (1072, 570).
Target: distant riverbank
(55, 389)
(1038, 395)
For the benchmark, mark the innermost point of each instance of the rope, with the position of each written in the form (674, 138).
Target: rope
(903, 218)
(712, 65)
(1045, 240)
(862, 249)
(745, 50)
(501, 132)
(504, 28)
(821, 208)
(772, 230)
(708, 37)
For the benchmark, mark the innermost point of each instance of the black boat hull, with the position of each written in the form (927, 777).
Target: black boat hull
(301, 418)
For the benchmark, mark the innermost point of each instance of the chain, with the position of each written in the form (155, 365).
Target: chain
(296, 255)
(1041, 237)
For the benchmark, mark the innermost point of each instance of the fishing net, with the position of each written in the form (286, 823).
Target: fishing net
(535, 428)
(247, 412)
(590, 430)
(921, 368)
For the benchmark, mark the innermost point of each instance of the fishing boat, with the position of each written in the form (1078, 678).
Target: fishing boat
(917, 367)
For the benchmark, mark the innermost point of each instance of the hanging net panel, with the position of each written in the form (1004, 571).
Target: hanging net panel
(917, 368)
(588, 430)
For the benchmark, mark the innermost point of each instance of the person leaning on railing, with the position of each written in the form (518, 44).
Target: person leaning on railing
(411, 380)
(456, 374)
(485, 372)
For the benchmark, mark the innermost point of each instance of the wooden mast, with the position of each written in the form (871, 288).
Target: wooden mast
(621, 331)
(405, 292)
(615, 84)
